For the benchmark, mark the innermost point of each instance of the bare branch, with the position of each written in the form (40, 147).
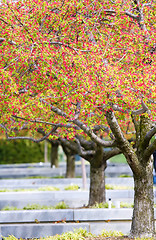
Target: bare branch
(42, 22)
(20, 22)
(148, 136)
(65, 45)
(131, 15)
(141, 110)
(149, 151)
(69, 144)
(92, 135)
(111, 153)
(2, 40)
(76, 147)
(55, 109)
(101, 127)
(88, 145)
(81, 150)
(123, 143)
(81, 125)
(28, 138)
(48, 123)
(119, 109)
(121, 58)
(78, 108)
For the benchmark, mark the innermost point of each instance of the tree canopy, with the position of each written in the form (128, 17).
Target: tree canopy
(65, 62)
(84, 67)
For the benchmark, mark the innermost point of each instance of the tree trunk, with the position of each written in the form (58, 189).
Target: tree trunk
(141, 163)
(45, 151)
(70, 169)
(143, 213)
(54, 154)
(70, 155)
(97, 184)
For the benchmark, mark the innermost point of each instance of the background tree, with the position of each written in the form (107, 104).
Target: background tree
(54, 161)
(97, 156)
(70, 159)
(18, 151)
(70, 64)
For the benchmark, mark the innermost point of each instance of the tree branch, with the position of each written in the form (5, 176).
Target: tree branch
(77, 148)
(131, 15)
(81, 152)
(42, 22)
(148, 136)
(82, 126)
(28, 138)
(65, 45)
(92, 135)
(141, 110)
(48, 123)
(123, 143)
(111, 153)
(2, 40)
(149, 150)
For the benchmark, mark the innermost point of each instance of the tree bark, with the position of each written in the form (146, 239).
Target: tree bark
(54, 154)
(70, 155)
(141, 163)
(97, 184)
(70, 169)
(45, 151)
(98, 164)
(143, 213)
(97, 157)
(143, 224)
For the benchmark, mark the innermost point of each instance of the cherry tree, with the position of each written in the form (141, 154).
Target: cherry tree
(68, 66)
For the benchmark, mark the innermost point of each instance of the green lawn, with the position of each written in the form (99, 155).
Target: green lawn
(118, 159)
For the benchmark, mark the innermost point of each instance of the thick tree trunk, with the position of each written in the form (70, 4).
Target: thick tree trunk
(143, 213)
(70, 169)
(97, 184)
(54, 154)
(142, 166)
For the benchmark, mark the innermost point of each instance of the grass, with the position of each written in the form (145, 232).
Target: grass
(77, 234)
(63, 205)
(105, 233)
(60, 205)
(48, 188)
(102, 205)
(36, 177)
(45, 188)
(117, 187)
(105, 205)
(118, 159)
(124, 176)
(126, 205)
(82, 234)
(72, 187)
